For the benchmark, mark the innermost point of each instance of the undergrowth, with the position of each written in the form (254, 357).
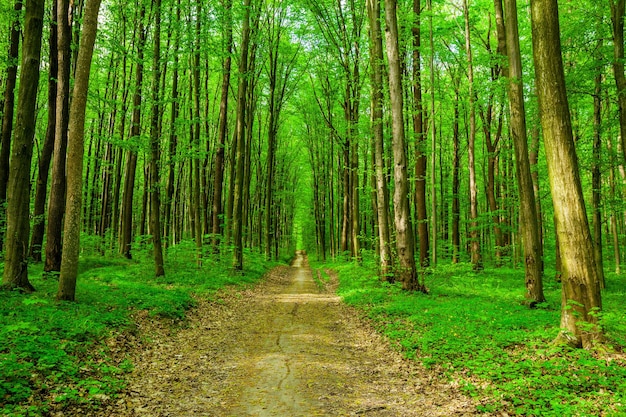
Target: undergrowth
(474, 327)
(54, 354)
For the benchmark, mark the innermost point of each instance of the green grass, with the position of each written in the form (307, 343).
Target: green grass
(475, 328)
(55, 353)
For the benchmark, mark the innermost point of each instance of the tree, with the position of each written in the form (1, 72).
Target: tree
(471, 148)
(45, 157)
(8, 112)
(239, 141)
(218, 179)
(56, 203)
(75, 143)
(581, 299)
(529, 227)
(18, 191)
(382, 194)
(406, 270)
(420, 141)
(155, 149)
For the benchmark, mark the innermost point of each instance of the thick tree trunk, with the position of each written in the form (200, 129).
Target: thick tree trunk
(581, 300)
(75, 147)
(529, 227)
(406, 271)
(18, 191)
(8, 112)
(382, 194)
(41, 192)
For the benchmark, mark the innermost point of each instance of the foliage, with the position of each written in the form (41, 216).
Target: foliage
(475, 328)
(56, 353)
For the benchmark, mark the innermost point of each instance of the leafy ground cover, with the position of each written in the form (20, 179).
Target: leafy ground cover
(476, 327)
(54, 353)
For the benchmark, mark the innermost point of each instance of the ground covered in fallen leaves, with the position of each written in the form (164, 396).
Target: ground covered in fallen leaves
(286, 347)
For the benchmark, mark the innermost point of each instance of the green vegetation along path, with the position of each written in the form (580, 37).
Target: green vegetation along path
(284, 348)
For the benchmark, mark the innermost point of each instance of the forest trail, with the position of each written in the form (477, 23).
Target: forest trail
(283, 348)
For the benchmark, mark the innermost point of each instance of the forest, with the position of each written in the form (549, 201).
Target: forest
(458, 166)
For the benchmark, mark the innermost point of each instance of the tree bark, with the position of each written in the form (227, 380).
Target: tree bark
(41, 192)
(406, 271)
(18, 191)
(75, 146)
(8, 112)
(155, 149)
(528, 210)
(218, 179)
(382, 194)
(596, 175)
(56, 203)
(618, 9)
(473, 187)
(239, 142)
(126, 234)
(581, 299)
(420, 141)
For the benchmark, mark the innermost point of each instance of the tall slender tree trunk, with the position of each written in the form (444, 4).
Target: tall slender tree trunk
(218, 179)
(596, 175)
(456, 164)
(126, 233)
(8, 112)
(581, 299)
(382, 194)
(420, 141)
(196, 161)
(239, 142)
(18, 191)
(56, 202)
(75, 145)
(529, 227)
(618, 8)
(471, 149)
(155, 149)
(406, 271)
(39, 207)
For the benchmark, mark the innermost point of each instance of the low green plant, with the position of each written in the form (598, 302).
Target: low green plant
(55, 353)
(476, 328)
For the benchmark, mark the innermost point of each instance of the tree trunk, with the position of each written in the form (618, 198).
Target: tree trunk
(528, 210)
(617, 17)
(420, 142)
(155, 150)
(218, 179)
(456, 158)
(239, 142)
(126, 234)
(18, 191)
(39, 208)
(596, 176)
(473, 187)
(382, 195)
(75, 146)
(196, 159)
(56, 203)
(8, 112)
(581, 300)
(406, 271)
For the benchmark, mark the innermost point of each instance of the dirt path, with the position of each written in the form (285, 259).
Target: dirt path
(284, 348)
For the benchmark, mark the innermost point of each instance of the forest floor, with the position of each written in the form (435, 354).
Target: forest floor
(285, 347)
